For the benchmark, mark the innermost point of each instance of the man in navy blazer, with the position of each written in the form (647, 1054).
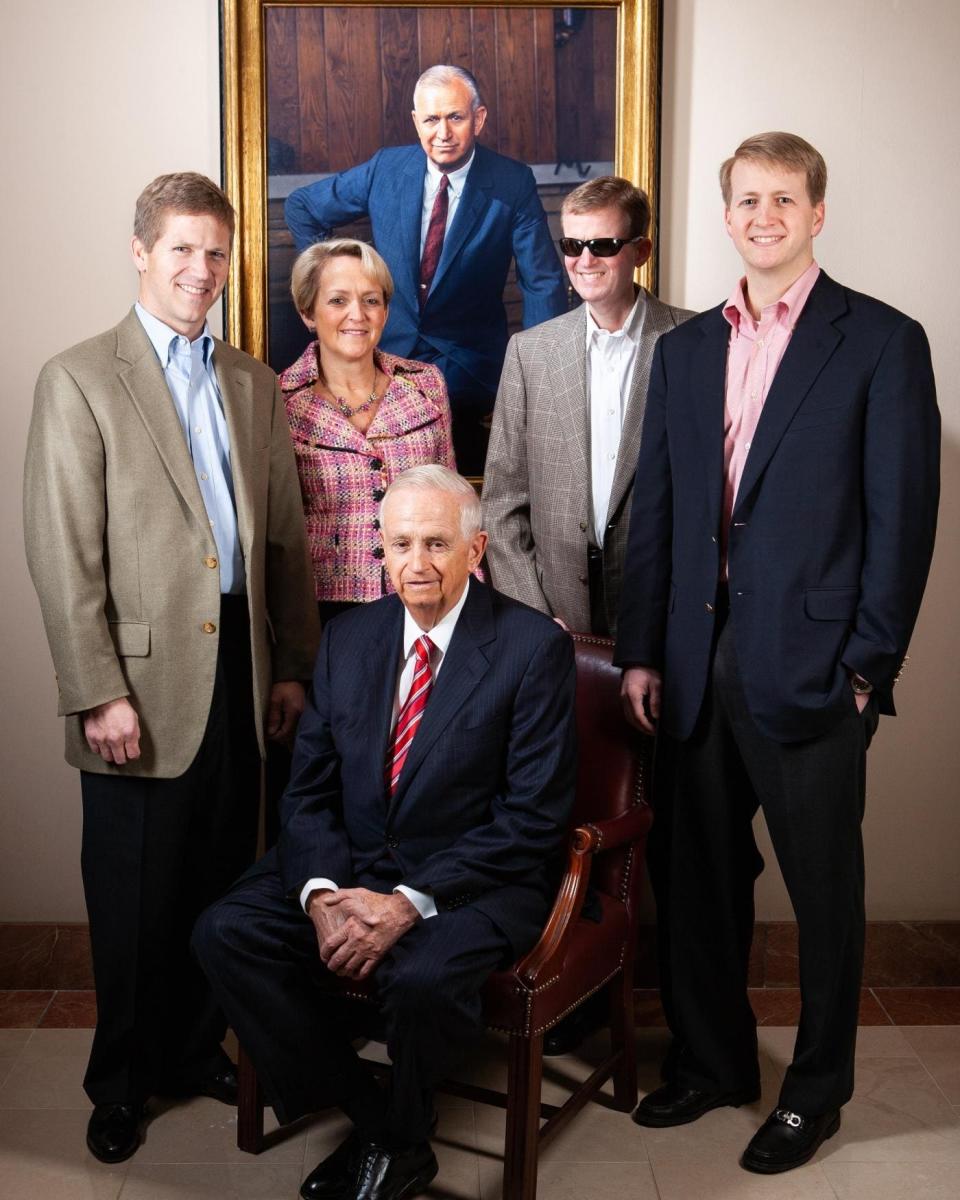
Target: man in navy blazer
(784, 514)
(457, 319)
(427, 887)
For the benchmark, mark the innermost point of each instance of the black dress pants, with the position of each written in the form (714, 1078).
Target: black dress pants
(259, 951)
(703, 865)
(155, 853)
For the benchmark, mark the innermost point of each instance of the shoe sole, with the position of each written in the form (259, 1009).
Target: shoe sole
(763, 1167)
(419, 1183)
(119, 1158)
(652, 1121)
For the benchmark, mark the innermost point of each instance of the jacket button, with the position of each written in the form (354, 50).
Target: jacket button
(376, 464)
(583, 527)
(377, 552)
(208, 627)
(378, 493)
(393, 842)
(708, 607)
(210, 562)
(582, 578)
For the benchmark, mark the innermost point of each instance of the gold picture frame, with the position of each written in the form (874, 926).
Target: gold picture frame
(244, 77)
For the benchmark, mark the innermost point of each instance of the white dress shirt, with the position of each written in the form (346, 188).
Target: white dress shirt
(611, 359)
(440, 636)
(431, 183)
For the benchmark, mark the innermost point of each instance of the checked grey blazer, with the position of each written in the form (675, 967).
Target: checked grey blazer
(536, 492)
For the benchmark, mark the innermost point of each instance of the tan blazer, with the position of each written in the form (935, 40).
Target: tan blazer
(121, 551)
(536, 490)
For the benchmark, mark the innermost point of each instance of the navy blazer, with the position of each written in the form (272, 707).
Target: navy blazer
(833, 528)
(483, 800)
(499, 218)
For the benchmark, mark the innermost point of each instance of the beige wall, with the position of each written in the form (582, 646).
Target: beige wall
(874, 86)
(94, 102)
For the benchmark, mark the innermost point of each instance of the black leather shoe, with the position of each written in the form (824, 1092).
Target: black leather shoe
(113, 1131)
(674, 1104)
(221, 1085)
(786, 1140)
(395, 1175)
(336, 1176)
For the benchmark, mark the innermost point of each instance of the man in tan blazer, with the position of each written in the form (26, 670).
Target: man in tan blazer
(165, 538)
(566, 427)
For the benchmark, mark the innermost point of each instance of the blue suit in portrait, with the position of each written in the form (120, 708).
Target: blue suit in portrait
(477, 821)
(463, 325)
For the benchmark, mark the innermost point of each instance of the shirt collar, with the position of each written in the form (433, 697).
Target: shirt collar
(440, 634)
(788, 307)
(456, 179)
(629, 330)
(162, 336)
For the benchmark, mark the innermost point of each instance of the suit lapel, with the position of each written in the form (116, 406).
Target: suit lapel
(473, 202)
(568, 371)
(147, 388)
(379, 684)
(656, 320)
(236, 390)
(410, 210)
(464, 665)
(707, 392)
(812, 343)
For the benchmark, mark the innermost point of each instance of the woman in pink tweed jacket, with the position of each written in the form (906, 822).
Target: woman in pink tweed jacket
(358, 417)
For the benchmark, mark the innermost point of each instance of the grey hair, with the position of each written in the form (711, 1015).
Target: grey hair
(432, 477)
(445, 73)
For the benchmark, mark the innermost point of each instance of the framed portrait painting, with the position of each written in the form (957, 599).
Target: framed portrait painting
(313, 90)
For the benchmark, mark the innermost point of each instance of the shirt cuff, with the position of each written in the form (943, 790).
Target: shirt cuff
(423, 902)
(316, 885)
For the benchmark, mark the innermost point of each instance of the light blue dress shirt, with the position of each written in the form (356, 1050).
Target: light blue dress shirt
(189, 371)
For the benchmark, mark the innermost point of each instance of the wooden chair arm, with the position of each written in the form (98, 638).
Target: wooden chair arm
(627, 827)
(548, 954)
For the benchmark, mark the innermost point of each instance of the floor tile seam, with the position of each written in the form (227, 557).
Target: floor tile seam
(883, 1007)
(935, 1081)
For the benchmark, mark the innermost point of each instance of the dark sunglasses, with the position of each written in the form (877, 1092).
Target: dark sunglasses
(598, 247)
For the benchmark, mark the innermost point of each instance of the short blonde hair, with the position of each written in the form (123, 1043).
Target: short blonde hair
(183, 192)
(780, 150)
(610, 191)
(308, 269)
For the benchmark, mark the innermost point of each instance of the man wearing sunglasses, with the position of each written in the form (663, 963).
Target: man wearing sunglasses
(566, 428)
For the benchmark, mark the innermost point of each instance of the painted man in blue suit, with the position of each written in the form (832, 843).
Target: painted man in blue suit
(425, 863)
(485, 210)
(785, 507)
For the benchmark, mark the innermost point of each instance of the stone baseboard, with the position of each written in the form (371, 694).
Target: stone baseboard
(899, 954)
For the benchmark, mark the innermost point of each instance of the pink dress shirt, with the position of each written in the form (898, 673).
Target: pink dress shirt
(755, 352)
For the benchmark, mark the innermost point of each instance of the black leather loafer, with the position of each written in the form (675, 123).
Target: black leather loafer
(113, 1131)
(395, 1175)
(786, 1140)
(336, 1176)
(221, 1085)
(674, 1104)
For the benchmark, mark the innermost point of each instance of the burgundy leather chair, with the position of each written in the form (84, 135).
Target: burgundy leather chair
(575, 957)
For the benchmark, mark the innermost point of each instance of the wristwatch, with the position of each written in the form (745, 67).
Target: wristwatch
(863, 687)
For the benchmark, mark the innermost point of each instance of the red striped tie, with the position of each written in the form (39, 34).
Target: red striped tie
(433, 243)
(410, 714)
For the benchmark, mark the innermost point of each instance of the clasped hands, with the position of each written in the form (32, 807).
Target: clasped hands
(356, 927)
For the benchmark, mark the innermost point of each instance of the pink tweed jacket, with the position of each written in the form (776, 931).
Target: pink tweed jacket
(344, 473)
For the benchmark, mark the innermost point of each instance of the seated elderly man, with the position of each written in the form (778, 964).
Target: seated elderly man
(432, 780)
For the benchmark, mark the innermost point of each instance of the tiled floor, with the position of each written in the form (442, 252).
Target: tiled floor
(900, 1138)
